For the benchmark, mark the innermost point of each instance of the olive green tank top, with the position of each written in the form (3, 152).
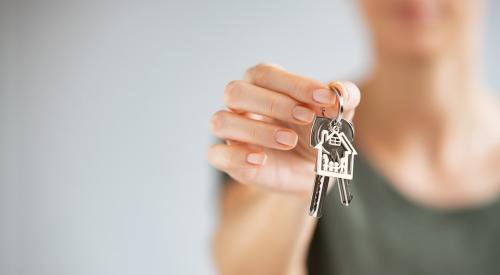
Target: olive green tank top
(382, 232)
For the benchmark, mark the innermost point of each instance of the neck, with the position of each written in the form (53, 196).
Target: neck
(435, 106)
(420, 93)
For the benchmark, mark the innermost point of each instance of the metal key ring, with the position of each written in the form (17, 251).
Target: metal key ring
(340, 112)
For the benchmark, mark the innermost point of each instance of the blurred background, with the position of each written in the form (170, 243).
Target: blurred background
(104, 109)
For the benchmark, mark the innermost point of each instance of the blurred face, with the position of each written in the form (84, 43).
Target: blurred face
(421, 27)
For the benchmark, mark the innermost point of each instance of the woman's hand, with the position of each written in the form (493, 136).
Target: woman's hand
(268, 126)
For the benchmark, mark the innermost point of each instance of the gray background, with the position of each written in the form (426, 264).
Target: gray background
(104, 109)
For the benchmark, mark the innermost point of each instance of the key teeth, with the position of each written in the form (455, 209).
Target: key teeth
(348, 202)
(315, 214)
(318, 196)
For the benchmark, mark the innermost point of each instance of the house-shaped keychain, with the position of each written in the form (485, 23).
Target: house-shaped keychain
(335, 155)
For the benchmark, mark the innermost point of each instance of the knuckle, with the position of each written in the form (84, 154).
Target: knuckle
(297, 85)
(258, 73)
(224, 162)
(254, 133)
(272, 107)
(232, 92)
(217, 121)
(219, 157)
(249, 73)
(212, 154)
(228, 162)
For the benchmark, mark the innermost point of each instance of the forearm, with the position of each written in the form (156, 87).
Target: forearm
(262, 232)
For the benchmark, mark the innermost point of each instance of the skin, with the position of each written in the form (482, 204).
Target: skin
(424, 111)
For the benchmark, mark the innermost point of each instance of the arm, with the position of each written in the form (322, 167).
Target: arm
(264, 227)
(262, 232)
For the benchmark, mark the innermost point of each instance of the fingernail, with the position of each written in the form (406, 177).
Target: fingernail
(324, 96)
(302, 114)
(286, 138)
(256, 158)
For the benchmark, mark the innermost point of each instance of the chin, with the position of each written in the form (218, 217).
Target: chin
(424, 48)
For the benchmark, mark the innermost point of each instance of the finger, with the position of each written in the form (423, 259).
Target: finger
(228, 125)
(226, 157)
(301, 88)
(351, 96)
(245, 97)
(240, 161)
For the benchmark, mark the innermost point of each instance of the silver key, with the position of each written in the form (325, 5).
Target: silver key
(334, 161)
(319, 196)
(345, 195)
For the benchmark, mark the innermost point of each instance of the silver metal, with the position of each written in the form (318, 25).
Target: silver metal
(321, 124)
(345, 195)
(318, 196)
(340, 99)
(332, 138)
(340, 110)
(335, 152)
